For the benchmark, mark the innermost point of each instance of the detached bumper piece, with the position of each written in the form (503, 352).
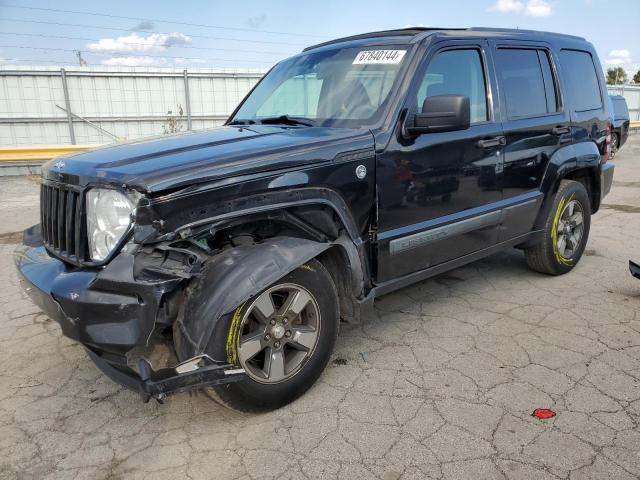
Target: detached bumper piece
(195, 373)
(634, 268)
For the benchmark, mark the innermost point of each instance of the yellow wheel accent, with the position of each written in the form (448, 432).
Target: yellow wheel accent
(554, 232)
(232, 336)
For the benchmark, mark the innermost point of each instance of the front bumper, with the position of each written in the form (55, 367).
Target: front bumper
(112, 314)
(105, 309)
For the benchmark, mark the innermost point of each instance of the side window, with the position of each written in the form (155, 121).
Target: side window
(456, 72)
(523, 83)
(583, 88)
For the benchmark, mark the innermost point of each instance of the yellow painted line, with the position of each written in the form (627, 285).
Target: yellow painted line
(41, 152)
(635, 124)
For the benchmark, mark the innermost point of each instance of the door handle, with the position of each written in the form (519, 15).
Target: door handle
(560, 130)
(491, 142)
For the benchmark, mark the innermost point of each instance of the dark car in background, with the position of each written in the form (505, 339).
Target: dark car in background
(619, 123)
(353, 169)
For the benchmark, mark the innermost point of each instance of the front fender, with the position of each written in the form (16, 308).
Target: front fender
(231, 278)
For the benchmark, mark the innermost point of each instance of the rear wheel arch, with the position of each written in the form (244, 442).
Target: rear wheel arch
(579, 162)
(588, 176)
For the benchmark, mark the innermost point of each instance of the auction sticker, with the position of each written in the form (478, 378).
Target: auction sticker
(369, 57)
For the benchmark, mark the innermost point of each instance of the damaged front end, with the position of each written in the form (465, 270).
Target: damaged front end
(175, 285)
(117, 311)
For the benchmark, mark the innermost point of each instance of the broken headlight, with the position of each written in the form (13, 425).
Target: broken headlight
(109, 215)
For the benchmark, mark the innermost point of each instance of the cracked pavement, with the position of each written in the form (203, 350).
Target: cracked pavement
(439, 382)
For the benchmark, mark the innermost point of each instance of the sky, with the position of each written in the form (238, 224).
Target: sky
(256, 34)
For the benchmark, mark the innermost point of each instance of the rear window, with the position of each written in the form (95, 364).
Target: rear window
(527, 82)
(582, 86)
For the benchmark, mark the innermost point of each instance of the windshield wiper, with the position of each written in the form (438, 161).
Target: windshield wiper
(286, 120)
(242, 121)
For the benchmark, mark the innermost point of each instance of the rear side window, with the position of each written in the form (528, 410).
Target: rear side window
(456, 72)
(527, 82)
(582, 86)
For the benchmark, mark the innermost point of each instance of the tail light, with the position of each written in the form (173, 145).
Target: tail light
(607, 144)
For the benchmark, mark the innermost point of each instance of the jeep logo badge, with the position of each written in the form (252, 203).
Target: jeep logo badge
(361, 171)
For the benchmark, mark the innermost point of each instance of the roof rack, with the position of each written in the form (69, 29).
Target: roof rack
(518, 30)
(413, 31)
(410, 32)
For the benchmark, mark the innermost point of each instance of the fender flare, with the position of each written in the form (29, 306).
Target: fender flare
(231, 278)
(567, 159)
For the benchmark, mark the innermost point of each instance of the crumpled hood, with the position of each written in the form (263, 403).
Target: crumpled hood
(161, 163)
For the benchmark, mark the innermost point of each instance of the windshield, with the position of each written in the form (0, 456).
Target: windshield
(346, 87)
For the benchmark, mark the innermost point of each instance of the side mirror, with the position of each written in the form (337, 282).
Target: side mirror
(441, 113)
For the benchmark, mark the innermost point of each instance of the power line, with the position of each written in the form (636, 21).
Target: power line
(122, 17)
(41, 35)
(99, 27)
(66, 63)
(127, 55)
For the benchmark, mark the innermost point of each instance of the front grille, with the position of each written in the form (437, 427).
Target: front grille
(62, 222)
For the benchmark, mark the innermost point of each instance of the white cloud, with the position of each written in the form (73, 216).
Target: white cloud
(137, 43)
(622, 53)
(533, 8)
(134, 61)
(507, 6)
(538, 8)
(621, 58)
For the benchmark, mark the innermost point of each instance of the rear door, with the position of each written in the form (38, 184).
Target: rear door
(586, 97)
(436, 190)
(535, 124)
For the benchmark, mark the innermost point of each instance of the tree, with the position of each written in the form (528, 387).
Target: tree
(636, 77)
(616, 76)
(172, 123)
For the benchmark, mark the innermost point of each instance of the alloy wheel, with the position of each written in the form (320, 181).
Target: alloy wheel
(278, 333)
(570, 229)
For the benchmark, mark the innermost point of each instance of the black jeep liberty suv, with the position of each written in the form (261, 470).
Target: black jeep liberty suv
(355, 168)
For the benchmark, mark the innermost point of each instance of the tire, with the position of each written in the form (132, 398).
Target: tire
(256, 393)
(548, 256)
(615, 143)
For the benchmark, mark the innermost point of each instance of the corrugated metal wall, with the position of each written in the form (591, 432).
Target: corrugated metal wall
(631, 94)
(113, 102)
(130, 103)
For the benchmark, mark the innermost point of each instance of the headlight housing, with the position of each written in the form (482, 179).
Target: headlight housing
(108, 219)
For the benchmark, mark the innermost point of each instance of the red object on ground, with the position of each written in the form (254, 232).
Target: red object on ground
(543, 413)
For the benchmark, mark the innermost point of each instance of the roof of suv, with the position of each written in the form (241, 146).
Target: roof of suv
(416, 34)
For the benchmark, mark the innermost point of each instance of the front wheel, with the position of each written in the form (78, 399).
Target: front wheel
(566, 231)
(283, 338)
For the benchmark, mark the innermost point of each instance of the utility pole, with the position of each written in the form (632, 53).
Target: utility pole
(82, 61)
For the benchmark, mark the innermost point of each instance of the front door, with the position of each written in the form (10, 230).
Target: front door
(437, 191)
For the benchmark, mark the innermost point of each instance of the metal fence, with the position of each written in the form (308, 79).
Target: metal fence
(631, 94)
(93, 105)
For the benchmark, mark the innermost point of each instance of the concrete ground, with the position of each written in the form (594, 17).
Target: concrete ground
(439, 383)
